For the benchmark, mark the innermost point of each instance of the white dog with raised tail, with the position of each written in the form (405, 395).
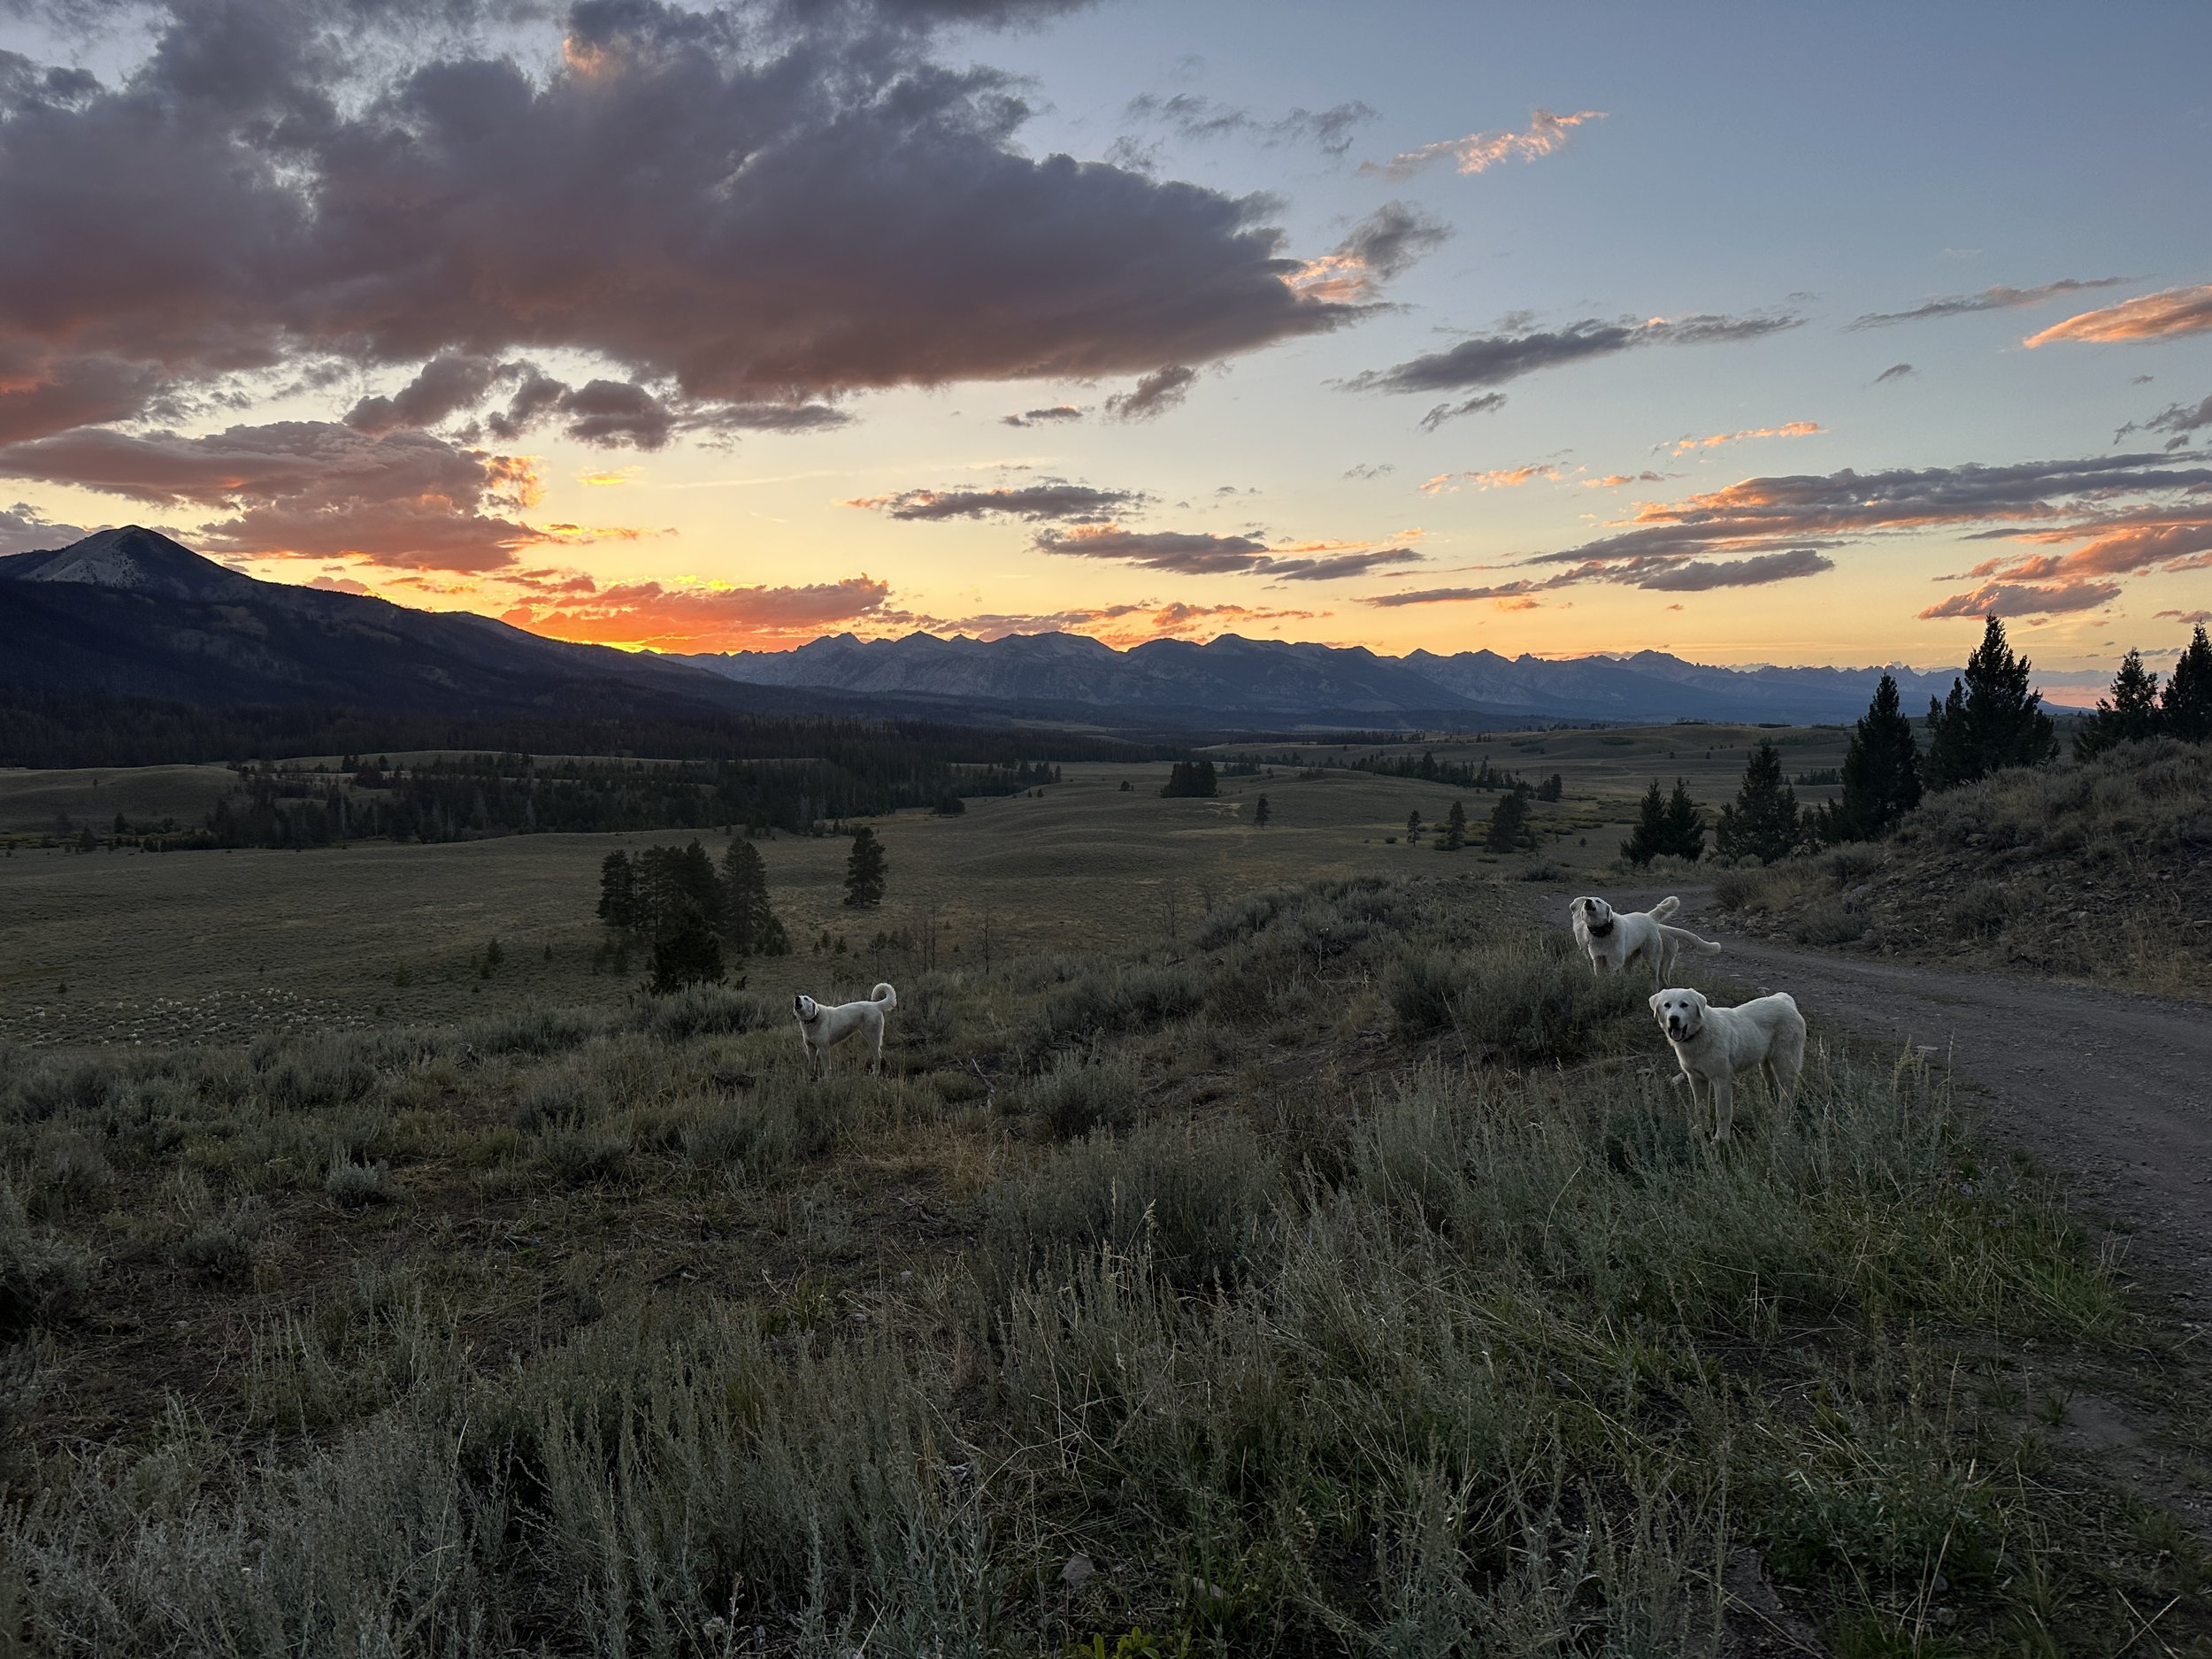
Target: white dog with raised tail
(1615, 938)
(1713, 1044)
(822, 1027)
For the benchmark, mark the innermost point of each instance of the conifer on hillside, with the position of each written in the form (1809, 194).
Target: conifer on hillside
(749, 925)
(2186, 709)
(1764, 822)
(1880, 773)
(865, 868)
(1990, 721)
(2128, 716)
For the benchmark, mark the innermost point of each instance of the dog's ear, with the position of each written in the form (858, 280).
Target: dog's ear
(1654, 1003)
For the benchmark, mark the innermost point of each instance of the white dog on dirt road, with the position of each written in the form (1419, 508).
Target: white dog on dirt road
(1617, 938)
(822, 1027)
(1713, 1044)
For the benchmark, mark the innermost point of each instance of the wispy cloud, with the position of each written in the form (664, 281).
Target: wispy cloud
(1199, 553)
(1990, 299)
(2181, 419)
(1153, 395)
(1497, 478)
(2152, 317)
(1385, 244)
(1713, 441)
(1055, 414)
(1895, 371)
(1493, 359)
(1479, 152)
(1197, 118)
(1077, 504)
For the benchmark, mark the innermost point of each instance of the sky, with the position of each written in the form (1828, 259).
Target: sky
(1754, 332)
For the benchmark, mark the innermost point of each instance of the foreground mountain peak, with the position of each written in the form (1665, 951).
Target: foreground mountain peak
(131, 558)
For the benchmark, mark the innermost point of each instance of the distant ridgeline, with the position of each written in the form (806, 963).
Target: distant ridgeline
(49, 728)
(708, 770)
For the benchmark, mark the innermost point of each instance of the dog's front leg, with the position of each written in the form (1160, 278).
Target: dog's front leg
(1724, 1087)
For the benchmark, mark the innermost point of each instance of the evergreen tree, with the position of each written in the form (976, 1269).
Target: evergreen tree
(1191, 778)
(1991, 720)
(1454, 828)
(949, 804)
(1685, 825)
(1261, 812)
(1765, 822)
(2187, 711)
(865, 869)
(1880, 774)
(1552, 789)
(2131, 715)
(1649, 840)
(1413, 826)
(617, 892)
(1509, 822)
(749, 925)
(685, 951)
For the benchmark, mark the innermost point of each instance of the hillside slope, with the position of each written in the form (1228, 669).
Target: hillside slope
(2098, 869)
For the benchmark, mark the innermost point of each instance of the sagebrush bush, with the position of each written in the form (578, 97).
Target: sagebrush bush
(1193, 1199)
(41, 1276)
(1081, 1093)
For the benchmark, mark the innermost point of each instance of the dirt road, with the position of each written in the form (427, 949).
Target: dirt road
(2113, 1089)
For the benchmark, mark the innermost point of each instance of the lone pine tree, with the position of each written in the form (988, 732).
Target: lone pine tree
(749, 925)
(1509, 821)
(2186, 709)
(1454, 828)
(1881, 771)
(1764, 822)
(1990, 721)
(2131, 714)
(1261, 812)
(866, 867)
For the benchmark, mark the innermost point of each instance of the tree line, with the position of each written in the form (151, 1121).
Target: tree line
(1990, 721)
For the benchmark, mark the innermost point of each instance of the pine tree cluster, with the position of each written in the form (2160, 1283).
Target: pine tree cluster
(1667, 824)
(673, 900)
(1191, 778)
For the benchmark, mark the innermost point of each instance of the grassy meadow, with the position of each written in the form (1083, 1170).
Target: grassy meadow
(1317, 1262)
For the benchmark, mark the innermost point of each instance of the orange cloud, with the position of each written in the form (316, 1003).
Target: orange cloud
(608, 479)
(1794, 429)
(1499, 477)
(2150, 317)
(703, 617)
(1479, 152)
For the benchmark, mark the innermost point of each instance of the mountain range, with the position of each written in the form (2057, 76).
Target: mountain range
(1175, 682)
(130, 611)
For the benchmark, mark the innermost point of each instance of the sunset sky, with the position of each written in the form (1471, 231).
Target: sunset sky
(1754, 332)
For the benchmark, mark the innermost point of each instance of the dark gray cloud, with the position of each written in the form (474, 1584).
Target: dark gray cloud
(727, 214)
(1493, 359)
(1482, 403)
(1895, 371)
(1370, 469)
(607, 414)
(307, 487)
(1072, 504)
(445, 387)
(2078, 526)
(1390, 240)
(24, 529)
(1700, 576)
(1189, 115)
(1990, 299)
(2181, 421)
(1153, 395)
(1057, 413)
(1197, 553)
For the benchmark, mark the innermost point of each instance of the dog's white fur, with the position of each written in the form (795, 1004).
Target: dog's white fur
(1615, 938)
(822, 1027)
(1713, 1044)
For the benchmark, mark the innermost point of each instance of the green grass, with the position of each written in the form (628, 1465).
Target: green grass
(1338, 1277)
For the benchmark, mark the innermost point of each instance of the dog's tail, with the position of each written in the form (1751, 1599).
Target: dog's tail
(1683, 935)
(884, 997)
(1665, 908)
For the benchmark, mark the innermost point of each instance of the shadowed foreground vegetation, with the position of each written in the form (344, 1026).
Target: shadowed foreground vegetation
(1343, 1279)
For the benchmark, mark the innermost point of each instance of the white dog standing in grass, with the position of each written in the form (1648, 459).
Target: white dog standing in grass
(822, 1027)
(1617, 938)
(1713, 1044)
